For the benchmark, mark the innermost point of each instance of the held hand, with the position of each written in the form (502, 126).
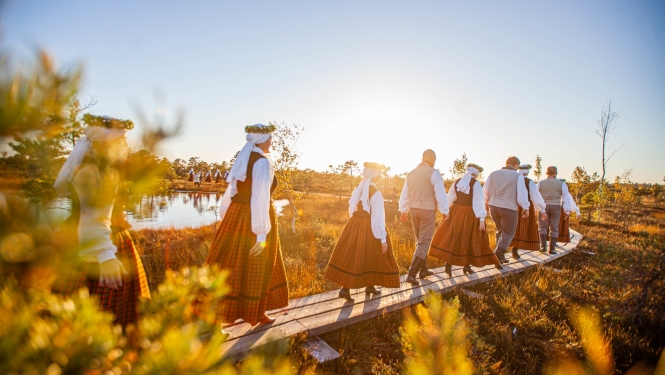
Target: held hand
(384, 247)
(543, 215)
(525, 215)
(257, 249)
(482, 225)
(110, 273)
(565, 217)
(404, 217)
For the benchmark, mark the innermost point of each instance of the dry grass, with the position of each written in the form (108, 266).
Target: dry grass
(623, 282)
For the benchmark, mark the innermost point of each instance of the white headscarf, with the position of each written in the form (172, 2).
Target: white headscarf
(523, 172)
(463, 183)
(361, 193)
(81, 149)
(239, 170)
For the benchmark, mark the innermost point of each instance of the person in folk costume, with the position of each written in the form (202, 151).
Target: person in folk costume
(218, 177)
(363, 255)
(110, 267)
(526, 235)
(197, 179)
(564, 229)
(461, 239)
(557, 207)
(209, 176)
(191, 175)
(505, 192)
(422, 194)
(247, 241)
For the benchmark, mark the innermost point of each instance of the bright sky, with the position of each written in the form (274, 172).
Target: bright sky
(374, 81)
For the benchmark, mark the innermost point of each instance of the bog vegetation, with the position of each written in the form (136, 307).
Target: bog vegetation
(602, 314)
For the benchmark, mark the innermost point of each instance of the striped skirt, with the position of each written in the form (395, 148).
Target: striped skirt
(122, 302)
(526, 235)
(257, 283)
(459, 242)
(357, 260)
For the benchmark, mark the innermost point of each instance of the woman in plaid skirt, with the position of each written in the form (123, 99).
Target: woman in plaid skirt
(526, 235)
(564, 229)
(363, 255)
(109, 265)
(247, 243)
(461, 239)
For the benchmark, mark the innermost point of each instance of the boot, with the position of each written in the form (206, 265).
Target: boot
(413, 270)
(498, 266)
(543, 243)
(516, 254)
(372, 290)
(467, 269)
(424, 271)
(553, 246)
(501, 254)
(449, 269)
(346, 294)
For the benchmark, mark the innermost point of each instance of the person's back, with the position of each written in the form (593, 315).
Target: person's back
(551, 189)
(503, 190)
(420, 188)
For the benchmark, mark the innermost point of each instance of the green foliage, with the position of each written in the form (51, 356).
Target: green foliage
(459, 167)
(538, 169)
(39, 190)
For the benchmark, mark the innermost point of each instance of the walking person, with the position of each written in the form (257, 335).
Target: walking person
(461, 239)
(505, 192)
(247, 241)
(110, 267)
(423, 193)
(564, 228)
(526, 235)
(557, 207)
(363, 255)
(197, 179)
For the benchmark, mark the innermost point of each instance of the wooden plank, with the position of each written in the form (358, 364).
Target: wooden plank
(253, 340)
(319, 349)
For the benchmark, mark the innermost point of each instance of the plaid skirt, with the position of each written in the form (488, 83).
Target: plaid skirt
(257, 284)
(526, 235)
(564, 230)
(459, 242)
(122, 302)
(357, 260)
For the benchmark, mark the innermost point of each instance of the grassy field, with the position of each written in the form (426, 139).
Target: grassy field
(623, 282)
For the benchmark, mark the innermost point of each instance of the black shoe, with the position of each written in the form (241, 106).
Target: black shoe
(412, 280)
(449, 269)
(498, 266)
(372, 290)
(516, 254)
(553, 247)
(467, 270)
(346, 294)
(500, 253)
(543, 243)
(424, 272)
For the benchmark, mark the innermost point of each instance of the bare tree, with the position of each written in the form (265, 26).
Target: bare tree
(73, 130)
(606, 125)
(538, 170)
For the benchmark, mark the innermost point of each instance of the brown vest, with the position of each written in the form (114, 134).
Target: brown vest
(464, 199)
(244, 194)
(360, 212)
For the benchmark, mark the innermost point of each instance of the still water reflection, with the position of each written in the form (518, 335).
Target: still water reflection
(177, 210)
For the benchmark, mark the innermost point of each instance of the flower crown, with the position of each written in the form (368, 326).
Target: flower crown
(372, 165)
(108, 122)
(478, 167)
(260, 128)
(524, 166)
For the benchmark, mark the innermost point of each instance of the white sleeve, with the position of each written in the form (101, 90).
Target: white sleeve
(378, 217)
(479, 201)
(486, 190)
(404, 198)
(536, 197)
(565, 198)
(452, 195)
(439, 192)
(262, 176)
(522, 194)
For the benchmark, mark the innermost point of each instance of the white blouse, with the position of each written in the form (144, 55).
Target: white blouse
(477, 201)
(536, 197)
(377, 215)
(262, 177)
(96, 195)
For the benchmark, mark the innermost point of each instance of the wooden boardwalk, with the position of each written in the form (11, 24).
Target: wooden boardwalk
(325, 312)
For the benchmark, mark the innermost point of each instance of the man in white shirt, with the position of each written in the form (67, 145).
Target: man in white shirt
(505, 192)
(555, 193)
(422, 194)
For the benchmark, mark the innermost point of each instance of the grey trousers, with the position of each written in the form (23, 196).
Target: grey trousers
(423, 226)
(553, 212)
(505, 221)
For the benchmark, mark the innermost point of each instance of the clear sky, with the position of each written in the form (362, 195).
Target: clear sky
(374, 80)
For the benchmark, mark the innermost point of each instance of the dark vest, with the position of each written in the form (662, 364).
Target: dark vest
(527, 182)
(244, 194)
(462, 198)
(360, 212)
